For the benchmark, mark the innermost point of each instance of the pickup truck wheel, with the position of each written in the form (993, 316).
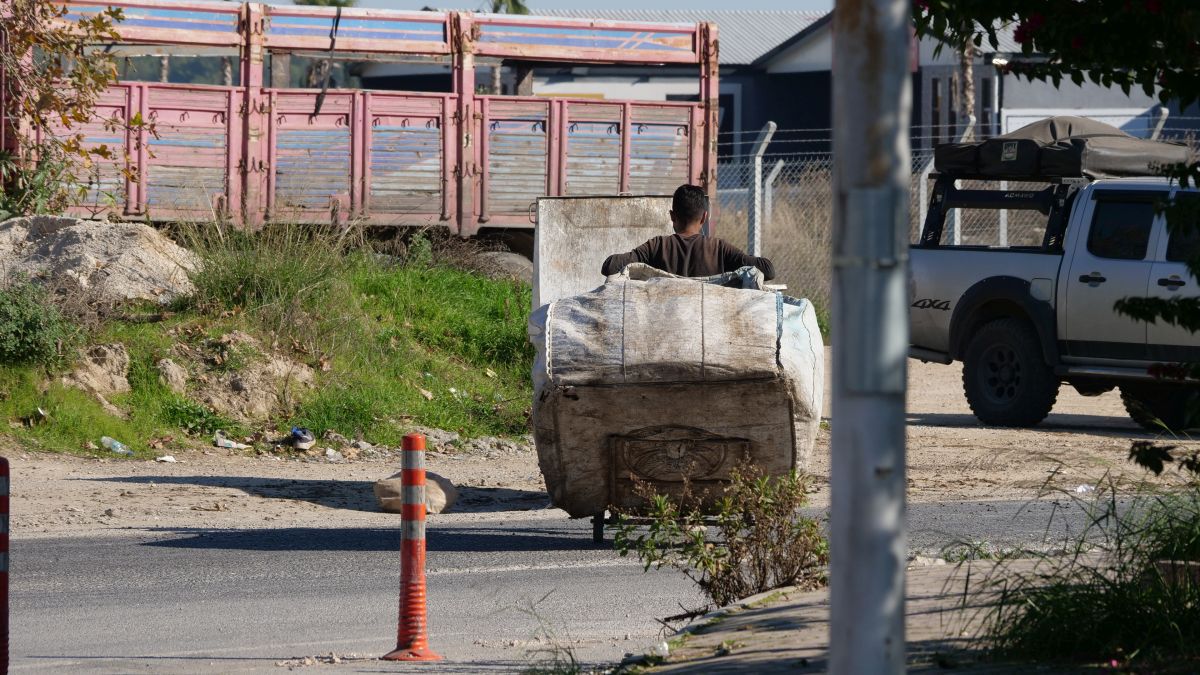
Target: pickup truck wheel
(1160, 407)
(1005, 378)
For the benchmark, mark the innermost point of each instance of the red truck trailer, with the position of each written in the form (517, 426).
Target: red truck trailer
(255, 153)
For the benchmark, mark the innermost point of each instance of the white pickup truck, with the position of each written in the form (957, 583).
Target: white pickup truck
(1025, 319)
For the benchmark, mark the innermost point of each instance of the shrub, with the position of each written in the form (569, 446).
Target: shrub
(1127, 591)
(762, 541)
(31, 328)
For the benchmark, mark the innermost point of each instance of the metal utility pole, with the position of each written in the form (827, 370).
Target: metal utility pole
(871, 103)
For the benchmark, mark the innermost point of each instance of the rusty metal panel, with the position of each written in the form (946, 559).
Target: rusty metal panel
(361, 30)
(587, 40)
(517, 157)
(186, 168)
(311, 155)
(405, 158)
(167, 22)
(106, 187)
(594, 143)
(660, 153)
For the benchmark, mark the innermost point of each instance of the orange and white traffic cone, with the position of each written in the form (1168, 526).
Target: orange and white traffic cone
(412, 642)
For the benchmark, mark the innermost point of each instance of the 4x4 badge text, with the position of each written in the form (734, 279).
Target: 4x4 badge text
(928, 303)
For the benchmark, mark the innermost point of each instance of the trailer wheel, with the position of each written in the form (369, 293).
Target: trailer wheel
(1005, 378)
(1161, 407)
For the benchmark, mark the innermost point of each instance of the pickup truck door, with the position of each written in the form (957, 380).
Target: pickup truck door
(1112, 256)
(1169, 278)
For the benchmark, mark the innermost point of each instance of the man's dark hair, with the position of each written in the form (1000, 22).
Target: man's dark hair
(689, 203)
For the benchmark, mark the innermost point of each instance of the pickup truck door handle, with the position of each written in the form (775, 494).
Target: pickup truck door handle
(1093, 278)
(1171, 282)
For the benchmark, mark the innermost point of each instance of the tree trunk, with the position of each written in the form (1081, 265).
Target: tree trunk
(164, 69)
(966, 81)
(496, 77)
(227, 71)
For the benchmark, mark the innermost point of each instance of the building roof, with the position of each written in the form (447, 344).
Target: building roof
(744, 35)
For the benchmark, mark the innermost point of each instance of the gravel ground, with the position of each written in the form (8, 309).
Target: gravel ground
(950, 458)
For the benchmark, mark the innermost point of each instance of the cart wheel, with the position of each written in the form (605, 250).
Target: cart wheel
(598, 528)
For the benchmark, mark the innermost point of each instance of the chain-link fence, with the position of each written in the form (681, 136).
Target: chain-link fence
(797, 216)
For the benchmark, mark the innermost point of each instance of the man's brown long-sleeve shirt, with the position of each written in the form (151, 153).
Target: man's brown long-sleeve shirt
(694, 256)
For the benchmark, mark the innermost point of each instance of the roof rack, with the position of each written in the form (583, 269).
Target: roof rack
(1050, 201)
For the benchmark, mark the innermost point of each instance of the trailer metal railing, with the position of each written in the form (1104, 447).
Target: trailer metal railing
(256, 153)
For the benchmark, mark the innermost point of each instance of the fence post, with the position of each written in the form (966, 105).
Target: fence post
(1162, 122)
(769, 192)
(756, 190)
(412, 639)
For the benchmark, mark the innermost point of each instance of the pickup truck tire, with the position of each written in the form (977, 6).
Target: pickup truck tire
(1154, 407)
(1005, 378)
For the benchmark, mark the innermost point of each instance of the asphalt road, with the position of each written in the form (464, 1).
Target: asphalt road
(241, 601)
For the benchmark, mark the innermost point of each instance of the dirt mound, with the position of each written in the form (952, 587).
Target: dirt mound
(254, 385)
(102, 371)
(118, 261)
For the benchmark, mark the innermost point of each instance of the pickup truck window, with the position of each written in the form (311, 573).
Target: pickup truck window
(1121, 230)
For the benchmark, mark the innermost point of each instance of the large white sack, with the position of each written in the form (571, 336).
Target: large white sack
(664, 379)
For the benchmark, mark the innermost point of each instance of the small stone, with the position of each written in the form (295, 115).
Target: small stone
(110, 513)
(440, 493)
(332, 455)
(172, 375)
(334, 437)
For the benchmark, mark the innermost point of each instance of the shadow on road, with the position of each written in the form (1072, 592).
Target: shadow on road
(481, 539)
(1100, 425)
(135, 663)
(356, 495)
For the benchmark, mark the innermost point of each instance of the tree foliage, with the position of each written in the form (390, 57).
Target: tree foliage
(1150, 44)
(509, 7)
(53, 81)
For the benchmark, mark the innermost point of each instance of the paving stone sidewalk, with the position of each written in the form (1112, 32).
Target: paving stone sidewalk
(788, 631)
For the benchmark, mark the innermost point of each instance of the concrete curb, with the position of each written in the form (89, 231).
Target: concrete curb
(704, 621)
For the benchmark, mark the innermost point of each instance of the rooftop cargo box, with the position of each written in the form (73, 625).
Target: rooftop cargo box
(1059, 147)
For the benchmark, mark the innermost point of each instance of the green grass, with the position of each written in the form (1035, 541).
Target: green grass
(390, 337)
(1106, 601)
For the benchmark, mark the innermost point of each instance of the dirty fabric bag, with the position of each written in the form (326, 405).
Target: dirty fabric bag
(665, 380)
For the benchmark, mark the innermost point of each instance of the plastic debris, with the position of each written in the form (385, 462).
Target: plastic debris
(661, 649)
(1085, 489)
(302, 439)
(116, 446)
(220, 441)
(167, 459)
